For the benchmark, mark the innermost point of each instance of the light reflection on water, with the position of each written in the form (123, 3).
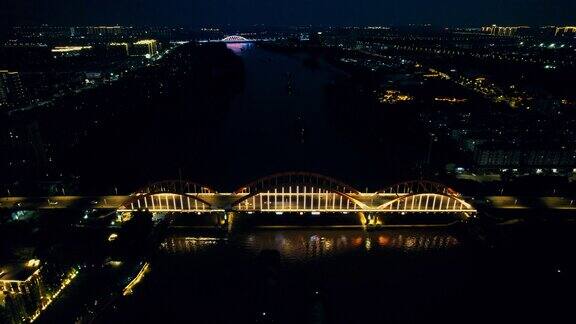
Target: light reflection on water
(310, 245)
(238, 48)
(189, 244)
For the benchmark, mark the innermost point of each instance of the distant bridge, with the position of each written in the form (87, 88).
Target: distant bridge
(237, 39)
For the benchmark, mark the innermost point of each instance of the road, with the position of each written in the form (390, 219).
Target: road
(512, 202)
(115, 201)
(62, 202)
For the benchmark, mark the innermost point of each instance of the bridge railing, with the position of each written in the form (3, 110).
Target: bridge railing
(299, 192)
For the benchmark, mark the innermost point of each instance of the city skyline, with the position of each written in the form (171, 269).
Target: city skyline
(261, 161)
(282, 13)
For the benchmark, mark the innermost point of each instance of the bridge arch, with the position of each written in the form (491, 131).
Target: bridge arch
(419, 186)
(235, 39)
(169, 196)
(427, 203)
(297, 192)
(174, 186)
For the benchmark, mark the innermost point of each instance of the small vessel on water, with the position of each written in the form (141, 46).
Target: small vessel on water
(289, 82)
(300, 129)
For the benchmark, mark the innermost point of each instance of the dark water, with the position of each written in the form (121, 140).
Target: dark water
(289, 276)
(279, 122)
(301, 246)
(210, 116)
(226, 120)
(352, 276)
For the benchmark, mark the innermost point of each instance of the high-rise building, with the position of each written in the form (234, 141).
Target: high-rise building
(21, 290)
(565, 31)
(503, 31)
(118, 49)
(11, 90)
(26, 289)
(105, 30)
(148, 47)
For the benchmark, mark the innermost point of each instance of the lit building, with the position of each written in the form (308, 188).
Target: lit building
(105, 30)
(393, 96)
(497, 158)
(565, 31)
(503, 31)
(11, 90)
(21, 291)
(145, 47)
(69, 50)
(121, 49)
(451, 100)
(529, 159)
(26, 289)
(436, 74)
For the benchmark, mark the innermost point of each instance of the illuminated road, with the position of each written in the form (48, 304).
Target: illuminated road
(512, 202)
(113, 202)
(62, 202)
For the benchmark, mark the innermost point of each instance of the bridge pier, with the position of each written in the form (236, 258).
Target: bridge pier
(362, 218)
(373, 220)
(230, 220)
(222, 219)
(225, 220)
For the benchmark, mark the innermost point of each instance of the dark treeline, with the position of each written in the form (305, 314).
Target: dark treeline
(97, 137)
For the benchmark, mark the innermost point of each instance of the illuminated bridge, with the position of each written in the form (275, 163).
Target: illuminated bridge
(293, 193)
(236, 39)
(298, 193)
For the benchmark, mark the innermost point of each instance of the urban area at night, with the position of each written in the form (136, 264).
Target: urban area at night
(287, 161)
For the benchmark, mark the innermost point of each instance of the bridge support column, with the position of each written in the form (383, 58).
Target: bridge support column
(230, 220)
(379, 219)
(372, 220)
(362, 219)
(224, 220)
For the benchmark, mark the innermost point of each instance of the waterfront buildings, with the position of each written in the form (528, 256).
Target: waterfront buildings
(11, 90)
(145, 47)
(21, 290)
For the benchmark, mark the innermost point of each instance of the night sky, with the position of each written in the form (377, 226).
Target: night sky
(288, 12)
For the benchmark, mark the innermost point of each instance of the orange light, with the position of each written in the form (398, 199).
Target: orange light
(383, 240)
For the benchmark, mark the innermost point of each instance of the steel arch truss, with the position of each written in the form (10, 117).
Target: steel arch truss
(296, 178)
(427, 203)
(419, 186)
(169, 196)
(175, 186)
(298, 192)
(166, 202)
(235, 39)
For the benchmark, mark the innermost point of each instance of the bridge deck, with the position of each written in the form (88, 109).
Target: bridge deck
(224, 201)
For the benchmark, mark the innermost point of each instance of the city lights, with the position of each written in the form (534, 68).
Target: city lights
(287, 161)
(128, 290)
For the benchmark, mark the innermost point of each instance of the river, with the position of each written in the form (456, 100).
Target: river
(351, 276)
(225, 120)
(278, 122)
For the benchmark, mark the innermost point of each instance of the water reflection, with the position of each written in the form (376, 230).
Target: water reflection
(177, 245)
(309, 245)
(299, 245)
(238, 48)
